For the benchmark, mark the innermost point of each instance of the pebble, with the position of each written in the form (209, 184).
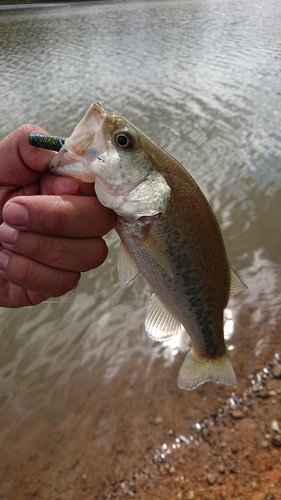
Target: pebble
(158, 420)
(276, 441)
(276, 370)
(272, 393)
(211, 478)
(257, 496)
(190, 495)
(263, 394)
(172, 469)
(275, 426)
(221, 468)
(237, 414)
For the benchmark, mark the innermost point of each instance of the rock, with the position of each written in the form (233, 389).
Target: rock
(276, 441)
(158, 420)
(221, 468)
(263, 394)
(211, 478)
(276, 370)
(190, 495)
(275, 426)
(237, 414)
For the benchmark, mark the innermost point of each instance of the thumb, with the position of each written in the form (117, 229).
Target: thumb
(20, 163)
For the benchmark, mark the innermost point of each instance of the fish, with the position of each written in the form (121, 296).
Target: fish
(168, 233)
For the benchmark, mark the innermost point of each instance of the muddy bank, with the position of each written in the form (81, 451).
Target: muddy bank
(234, 454)
(141, 437)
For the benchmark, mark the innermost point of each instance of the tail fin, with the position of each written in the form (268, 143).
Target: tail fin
(195, 371)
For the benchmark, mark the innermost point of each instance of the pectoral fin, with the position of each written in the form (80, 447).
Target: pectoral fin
(236, 284)
(156, 252)
(127, 269)
(160, 324)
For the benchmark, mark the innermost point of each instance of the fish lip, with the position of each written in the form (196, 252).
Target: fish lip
(77, 151)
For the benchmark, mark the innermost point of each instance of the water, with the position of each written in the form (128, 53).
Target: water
(79, 377)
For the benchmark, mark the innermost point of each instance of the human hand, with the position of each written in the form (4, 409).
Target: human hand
(52, 226)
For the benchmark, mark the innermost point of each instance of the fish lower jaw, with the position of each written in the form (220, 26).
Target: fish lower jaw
(195, 371)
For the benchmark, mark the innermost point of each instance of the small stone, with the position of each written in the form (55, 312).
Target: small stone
(276, 370)
(257, 496)
(276, 441)
(179, 496)
(263, 394)
(265, 444)
(172, 469)
(158, 420)
(223, 444)
(272, 393)
(237, 414)
(205, 434)
(275, 426)
(190, 495)
(221, 468)
(211, 478)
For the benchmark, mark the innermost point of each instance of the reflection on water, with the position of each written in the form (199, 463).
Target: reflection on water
(201, 78)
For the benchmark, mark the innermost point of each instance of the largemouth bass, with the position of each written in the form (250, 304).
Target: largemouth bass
(168, 233)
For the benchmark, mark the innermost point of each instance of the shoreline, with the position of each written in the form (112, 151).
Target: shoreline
(234, 454)
(34, 4)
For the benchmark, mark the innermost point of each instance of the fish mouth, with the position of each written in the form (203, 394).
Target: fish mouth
(84, 148)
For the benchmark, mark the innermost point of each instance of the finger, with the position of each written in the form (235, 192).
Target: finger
(80, 254)
(20, 162)
(66, 216)
(31, 275)
(59, 185)
(15, 296)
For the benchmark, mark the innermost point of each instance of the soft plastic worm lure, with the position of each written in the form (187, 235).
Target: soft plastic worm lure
(42, 141)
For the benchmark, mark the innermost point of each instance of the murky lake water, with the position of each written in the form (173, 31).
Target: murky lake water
(79, 377)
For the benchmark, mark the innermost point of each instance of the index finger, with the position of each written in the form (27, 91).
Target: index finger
(69, 216)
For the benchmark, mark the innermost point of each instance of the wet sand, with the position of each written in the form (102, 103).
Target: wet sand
(142, 437)
(234, 454)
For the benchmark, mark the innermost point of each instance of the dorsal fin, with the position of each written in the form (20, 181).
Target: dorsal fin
(236, 284)
(160, 324)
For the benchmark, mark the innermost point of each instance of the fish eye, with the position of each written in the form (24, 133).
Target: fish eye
(124, 139)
